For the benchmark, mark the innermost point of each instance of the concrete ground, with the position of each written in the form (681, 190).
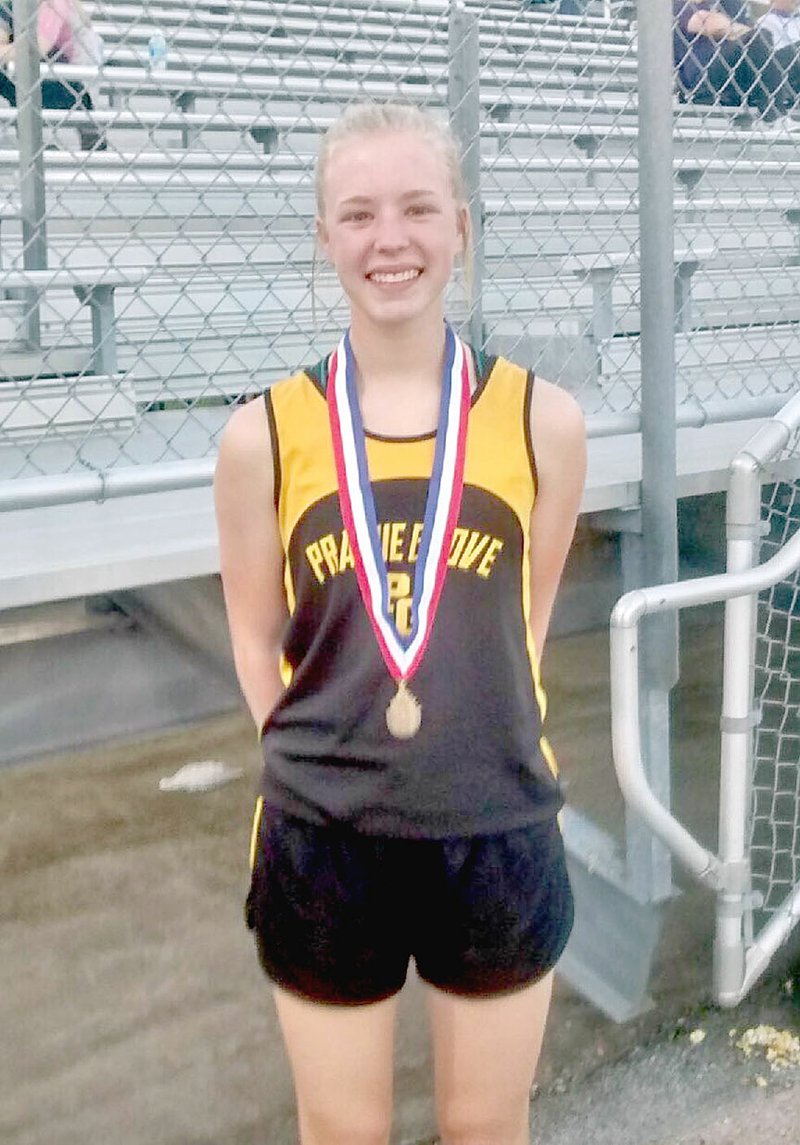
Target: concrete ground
(133, 1011)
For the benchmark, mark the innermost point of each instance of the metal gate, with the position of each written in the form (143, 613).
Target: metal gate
(755, 872)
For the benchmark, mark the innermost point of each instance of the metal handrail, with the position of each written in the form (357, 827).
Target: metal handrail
(171, 476)
(628, 761)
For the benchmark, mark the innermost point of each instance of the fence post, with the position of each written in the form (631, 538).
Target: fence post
(31, 154)
(743, 518)
(463, 100)
(649, 865)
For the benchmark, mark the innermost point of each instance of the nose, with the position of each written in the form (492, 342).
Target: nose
(390, 233)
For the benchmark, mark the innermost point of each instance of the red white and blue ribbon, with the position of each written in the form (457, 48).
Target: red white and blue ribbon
(402, 653)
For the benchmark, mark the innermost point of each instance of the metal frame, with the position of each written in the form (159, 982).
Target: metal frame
(736, 967)
(652, 556)
(463, 98)
(170, 476)
(32, 191)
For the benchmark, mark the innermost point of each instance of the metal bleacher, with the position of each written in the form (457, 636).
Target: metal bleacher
(191, 196)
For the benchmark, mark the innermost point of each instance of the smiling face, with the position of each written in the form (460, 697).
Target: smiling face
(390, 225)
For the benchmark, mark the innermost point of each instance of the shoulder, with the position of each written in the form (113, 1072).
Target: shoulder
(558, 431)
(555, 415)
(245, 448)
(250, 440)
(248, 425)
(556, 418)
(297, 381)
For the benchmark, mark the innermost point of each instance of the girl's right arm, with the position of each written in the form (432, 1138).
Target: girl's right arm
(251, 556)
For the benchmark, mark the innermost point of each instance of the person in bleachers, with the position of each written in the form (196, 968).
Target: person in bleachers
(722, 59)
(782, 24)
(65, 35)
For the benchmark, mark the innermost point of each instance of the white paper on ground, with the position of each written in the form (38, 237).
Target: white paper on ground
(204, 775)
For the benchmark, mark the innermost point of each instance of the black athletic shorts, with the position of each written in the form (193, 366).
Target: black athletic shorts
(337, 914)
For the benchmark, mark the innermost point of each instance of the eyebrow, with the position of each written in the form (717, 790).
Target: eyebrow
(356, 200)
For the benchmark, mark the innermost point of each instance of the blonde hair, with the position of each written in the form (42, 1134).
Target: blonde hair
(367, 118)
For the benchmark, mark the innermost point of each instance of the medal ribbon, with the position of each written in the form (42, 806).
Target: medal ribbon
(402, 654)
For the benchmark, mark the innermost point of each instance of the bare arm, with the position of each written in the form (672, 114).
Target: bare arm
(251, 557)
(6, 45)
(559, 443)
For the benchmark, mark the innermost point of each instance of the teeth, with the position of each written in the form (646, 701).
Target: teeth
(397, 276)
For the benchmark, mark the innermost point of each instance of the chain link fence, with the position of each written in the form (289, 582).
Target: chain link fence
(775, 821)
(166, 188)
(735, 170)
(173, 213)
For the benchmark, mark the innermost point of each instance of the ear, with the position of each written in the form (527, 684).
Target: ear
(323, 238)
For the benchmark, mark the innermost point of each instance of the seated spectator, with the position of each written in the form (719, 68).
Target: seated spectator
(782, 25)
(722, 59)
(65, 35)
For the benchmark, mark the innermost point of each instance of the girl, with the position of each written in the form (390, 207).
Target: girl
(393, 525)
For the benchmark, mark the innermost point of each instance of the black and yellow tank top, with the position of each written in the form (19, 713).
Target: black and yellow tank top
(479, 763)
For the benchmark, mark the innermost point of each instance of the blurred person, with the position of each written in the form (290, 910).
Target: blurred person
(722, 59)
(65, 35)
(782, 24)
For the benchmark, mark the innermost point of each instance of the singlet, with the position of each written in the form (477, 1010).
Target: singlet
(479, 763)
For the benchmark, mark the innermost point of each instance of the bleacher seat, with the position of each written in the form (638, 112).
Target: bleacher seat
(208, 181)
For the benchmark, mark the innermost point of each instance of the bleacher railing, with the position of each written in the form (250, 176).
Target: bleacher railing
(755, 872)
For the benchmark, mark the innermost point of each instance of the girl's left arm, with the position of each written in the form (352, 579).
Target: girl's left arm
(558, 434)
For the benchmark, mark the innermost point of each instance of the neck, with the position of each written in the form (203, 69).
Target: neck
(403, 357)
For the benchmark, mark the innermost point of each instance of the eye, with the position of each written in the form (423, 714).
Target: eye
(417, 209)
(355, 216)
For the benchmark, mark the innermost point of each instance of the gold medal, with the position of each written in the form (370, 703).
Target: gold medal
(404, 714)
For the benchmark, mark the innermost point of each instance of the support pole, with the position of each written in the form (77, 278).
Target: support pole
(463, 100)
(743, 519)
(31, 155)
(649, 866)
(100, 300)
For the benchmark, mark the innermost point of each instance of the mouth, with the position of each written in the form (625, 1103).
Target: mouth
(391, 277)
